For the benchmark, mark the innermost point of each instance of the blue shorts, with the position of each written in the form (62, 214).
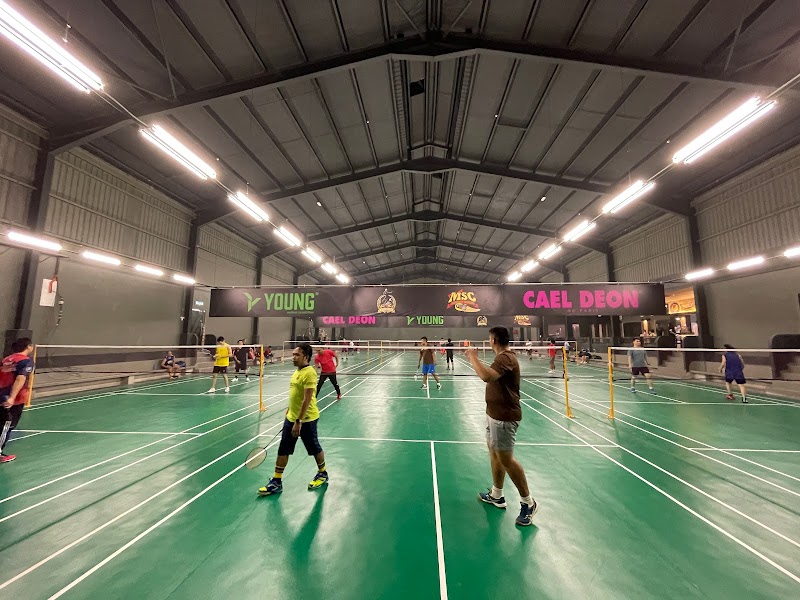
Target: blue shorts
(428, 369)
(737, 376)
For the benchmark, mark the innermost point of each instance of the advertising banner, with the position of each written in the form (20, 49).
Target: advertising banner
(440, 301)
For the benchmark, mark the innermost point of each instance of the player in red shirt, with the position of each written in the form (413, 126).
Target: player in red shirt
(551, 352)
(14, 373)
(328, 361)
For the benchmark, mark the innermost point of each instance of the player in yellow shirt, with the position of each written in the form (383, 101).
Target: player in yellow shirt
(300, 422)
(222, 359)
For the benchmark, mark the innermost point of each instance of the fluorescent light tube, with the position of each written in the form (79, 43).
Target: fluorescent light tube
(103, 258)
(551, 250)
(746, 263)
(579, 230)
(149, 270)
(287, 236)
(723, 129)
(632, 193)
(251, 208)
(29, 240)
(514, 275)
(169, 144)
(183, 279)
(701, 274)
(343, 278)
(311, 255)
(792, 252)
(329, 268)
(529, 266)
(52, 55)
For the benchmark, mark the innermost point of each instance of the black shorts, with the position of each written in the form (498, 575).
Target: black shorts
(217, 369)
(737, 377)
(639, 371)
(308, 433)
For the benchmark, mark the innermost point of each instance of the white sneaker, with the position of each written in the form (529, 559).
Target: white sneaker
(211, 391)
(424, 387)
(235, 379)
(438, 386)
(227, 389)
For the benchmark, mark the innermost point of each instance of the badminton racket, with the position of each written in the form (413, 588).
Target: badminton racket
(258, 455)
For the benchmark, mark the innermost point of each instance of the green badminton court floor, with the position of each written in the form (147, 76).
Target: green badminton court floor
(140, 493)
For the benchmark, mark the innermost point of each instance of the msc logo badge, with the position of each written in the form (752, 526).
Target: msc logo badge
(463, 301)
(522, 320)
(386, 302)
(483, 321)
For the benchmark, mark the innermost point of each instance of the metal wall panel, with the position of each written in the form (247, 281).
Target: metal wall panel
(95, 204)
(19, 148)
(225, 244)
(757, 212)
(592, 267)
(551, 277)
(277, 272)
(657, 251)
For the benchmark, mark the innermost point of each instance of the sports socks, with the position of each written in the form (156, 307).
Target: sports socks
(279, 472)
(497, 492)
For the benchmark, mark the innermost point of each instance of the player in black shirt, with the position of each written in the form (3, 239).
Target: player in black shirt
(240, 355)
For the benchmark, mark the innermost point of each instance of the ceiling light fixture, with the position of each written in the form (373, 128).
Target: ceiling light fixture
(183, 279)
(29, 240)
(792, 252)
(33, 41)
(740, 118)
(102, 258)
(159, 137)
(343, 278)
(247, 205)
(701, 274)
(311, 255)
(513, 276)
(635, 191)
(551, 250)
(149, 270)
(746, 263)
(529, 266)
(287, 236)
(329, 268)
(579, 230)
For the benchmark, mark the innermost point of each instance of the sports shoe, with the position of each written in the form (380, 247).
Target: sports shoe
(633, 389)
(438, 386)
(651, 388)
(729, 397)
(526, 513)
(320, 479)
(424, 387)
(744, 400)
(235, 379)
(489, 499)
(227, 389)
(338, 396)
(4, 458)
(275, 486)
(211, 391)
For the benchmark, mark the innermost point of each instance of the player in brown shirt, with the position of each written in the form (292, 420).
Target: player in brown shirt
(427, 359)
(503, 414)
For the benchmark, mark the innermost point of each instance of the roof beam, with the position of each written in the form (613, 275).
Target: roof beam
(515, 256)
(426, 166)
(426, 260)
(430, 49)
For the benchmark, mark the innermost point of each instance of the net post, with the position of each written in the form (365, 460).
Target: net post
(564, 355)
(611, 381)
(30, 380)
(261, 380)
(380, 360)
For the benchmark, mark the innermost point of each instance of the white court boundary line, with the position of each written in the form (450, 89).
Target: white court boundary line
(647, 482)
(86, 431)
(481, 443)
(163, 520)
(686, 437)
(686, 483)
(139, 505)
(746, 450)
(721, 390)
(439, 537)
(22, 437)
(140, 536)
